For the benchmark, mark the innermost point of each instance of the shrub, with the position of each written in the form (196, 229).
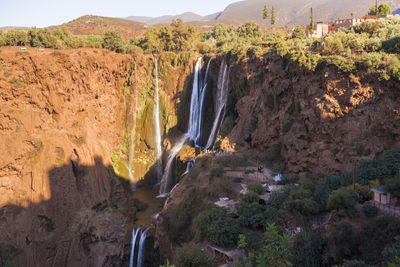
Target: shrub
(190, 255)
(342, 199)
(217, 171)
(214, 224)
(299, 33)
(333, 45)
(371, 60)
(343, 242)
(16, 38)
(256, 187)
(370, 211)
(309, 249)
(251, 214)
(393, 186)
(375, 234)
(250, 197)
(340, 63)
(113, 41)
(277, 198)
(222, 186)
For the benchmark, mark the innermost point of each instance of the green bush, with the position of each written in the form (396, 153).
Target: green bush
(250, 197)
(190, 255)
(309, 249)
(217, 226)
(113, 41)
(376, 234)
(256, 187)
(217, 171)
(370, 211)
(371, 60)
(16, 38)
(342, 199)
(299, 33)
(251, 214)
(393, 186)
(343, 242)
(342, 64)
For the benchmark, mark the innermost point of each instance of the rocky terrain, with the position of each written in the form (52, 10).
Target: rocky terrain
(66, 121)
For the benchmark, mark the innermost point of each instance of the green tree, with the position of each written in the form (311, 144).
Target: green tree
(265, 15)
(113, 41)
(342, 242)
(191, 255)
(312, 21)
(342, 199)
(299, 33)
(352, 15)
(273, 19)
(214, 224)
(249, 30)
(391, 253)
(277, 249)
(393, 186)
(384, 9)
(309, 248)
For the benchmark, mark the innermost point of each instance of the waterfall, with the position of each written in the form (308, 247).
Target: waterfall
(220, 103)
(166, 181)
(195, 122)
(196, 102)
(142, 239)
(141, 246)
(135, 233)
(133, 133)
(157, 127)
(189, 166)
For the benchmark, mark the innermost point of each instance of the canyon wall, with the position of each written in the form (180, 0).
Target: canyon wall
(320, 122)
(65, 120)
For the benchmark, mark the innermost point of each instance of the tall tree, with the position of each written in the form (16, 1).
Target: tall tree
(312, 21)
(273, 19)
(265, 17)
(352, 15)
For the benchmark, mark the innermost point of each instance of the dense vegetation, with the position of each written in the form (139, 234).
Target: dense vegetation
(324, 223)
(372, 46)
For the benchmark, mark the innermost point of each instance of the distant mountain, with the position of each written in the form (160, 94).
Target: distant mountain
(97, 25)
(288, 12)
(186, 17)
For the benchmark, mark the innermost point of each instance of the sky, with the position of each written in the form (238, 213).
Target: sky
(43, 13)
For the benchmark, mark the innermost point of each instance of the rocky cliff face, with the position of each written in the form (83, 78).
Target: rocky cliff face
(61, 118)
(66, 119)
(321, 122)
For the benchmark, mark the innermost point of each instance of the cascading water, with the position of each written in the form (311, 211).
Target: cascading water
(133, 133)
(141, 248)
(135, 233)
(196, 102)
(189, 166)
(220, 103)
(157, 127)
(166, 181)
(142, 239)
(195, 122)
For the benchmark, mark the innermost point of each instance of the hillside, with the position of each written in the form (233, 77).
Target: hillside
(96, 25)
(298, 12)
(287, 12)
(186, 17)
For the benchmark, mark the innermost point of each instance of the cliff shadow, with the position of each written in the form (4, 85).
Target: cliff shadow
(85, 222)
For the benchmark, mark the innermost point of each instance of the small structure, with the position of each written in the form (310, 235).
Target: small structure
(381, 196)
(320, 29)
(347, 23)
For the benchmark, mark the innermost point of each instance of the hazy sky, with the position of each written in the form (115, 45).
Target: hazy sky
(41, 13)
